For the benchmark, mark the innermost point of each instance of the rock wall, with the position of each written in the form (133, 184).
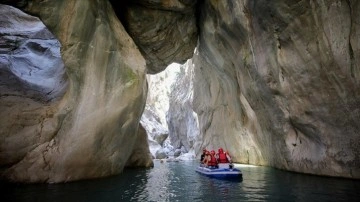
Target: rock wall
(157, 105)
(32, 78)
(141, 156)
(181, 119)
(90, 131)
(277, 83)
(84, 123)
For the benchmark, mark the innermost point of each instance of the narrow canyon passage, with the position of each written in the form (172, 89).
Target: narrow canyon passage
(276, 84)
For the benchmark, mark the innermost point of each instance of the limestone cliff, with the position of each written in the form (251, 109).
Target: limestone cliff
(277, 83)
(91, 130)
(182, 121)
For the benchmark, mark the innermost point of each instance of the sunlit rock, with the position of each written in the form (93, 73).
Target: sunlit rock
(277, 83)
(181, 119)
(157, 106)
(151, 122)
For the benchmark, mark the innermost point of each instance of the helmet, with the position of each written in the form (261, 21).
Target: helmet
(212, 152)
(221, 150)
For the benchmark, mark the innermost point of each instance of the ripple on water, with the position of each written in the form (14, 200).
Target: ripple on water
(178, 181)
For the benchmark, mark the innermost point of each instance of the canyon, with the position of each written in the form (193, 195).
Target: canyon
(276, 84)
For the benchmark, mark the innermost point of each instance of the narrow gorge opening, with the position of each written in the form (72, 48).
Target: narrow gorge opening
(165, 33)
(168, 118)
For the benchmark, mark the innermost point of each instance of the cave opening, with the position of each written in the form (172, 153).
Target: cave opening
(166, 84)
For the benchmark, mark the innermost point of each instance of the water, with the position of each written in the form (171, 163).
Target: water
(177, 181)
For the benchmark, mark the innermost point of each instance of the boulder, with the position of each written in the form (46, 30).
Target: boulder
(160, 154)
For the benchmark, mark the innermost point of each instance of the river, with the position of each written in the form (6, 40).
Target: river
(177, 181)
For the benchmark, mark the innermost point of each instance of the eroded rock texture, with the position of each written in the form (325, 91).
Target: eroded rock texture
(277, 83)
(91, 130)
(164, 30)
(31, 79)
(181, 119)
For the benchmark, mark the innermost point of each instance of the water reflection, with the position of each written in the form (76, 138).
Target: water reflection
(158, 183)
(178, 181)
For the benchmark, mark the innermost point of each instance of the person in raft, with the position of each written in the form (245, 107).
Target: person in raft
(210, 160)
(223, 157)
(202, 157)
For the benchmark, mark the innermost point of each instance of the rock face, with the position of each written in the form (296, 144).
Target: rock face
(32, 78)
(165, 30)
(157, 106)
(91, 130)
(278, 83)
(181, 119)
(141, 156)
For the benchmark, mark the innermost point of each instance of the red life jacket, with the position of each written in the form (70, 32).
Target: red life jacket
(223, 158)
(212, 161)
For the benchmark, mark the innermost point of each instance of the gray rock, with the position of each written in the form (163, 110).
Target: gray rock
(177, 152)
(275, 83)
(151, 122)
(141, 156)
(278, 83)
(163, 37)
(181, 119)
(160, 154)
(92, 130)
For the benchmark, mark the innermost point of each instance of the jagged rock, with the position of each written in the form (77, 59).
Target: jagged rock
(91, 131)
(153, 146)
(152, 124)
(278, 83)
(157, 105)
(181, 119)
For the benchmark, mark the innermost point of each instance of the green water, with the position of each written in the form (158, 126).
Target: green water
(177, 181)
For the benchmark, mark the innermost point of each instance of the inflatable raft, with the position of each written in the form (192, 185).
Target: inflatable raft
(221, 172)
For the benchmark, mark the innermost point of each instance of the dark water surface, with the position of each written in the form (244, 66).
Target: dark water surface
(177, 181)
